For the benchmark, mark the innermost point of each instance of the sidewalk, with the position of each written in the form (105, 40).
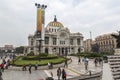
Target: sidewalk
(74, 69)
(107, 74)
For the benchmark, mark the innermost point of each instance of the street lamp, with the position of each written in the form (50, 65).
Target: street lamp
(40, 24)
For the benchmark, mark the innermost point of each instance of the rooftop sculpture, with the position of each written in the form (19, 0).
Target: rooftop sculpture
(117, 38)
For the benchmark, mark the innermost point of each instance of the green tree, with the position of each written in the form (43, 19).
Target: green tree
(95, 48)
(19, 49)
(9, 51)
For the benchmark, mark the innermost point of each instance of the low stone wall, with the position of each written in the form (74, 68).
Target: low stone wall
(95, 76)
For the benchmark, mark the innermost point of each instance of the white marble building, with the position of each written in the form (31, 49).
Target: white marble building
(58, 40)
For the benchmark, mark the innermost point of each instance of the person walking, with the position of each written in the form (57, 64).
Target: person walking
(86, 63)
(36, 66)
(2, 66)
(49, 65)
(59, 73)
(1, 75)
(96, 62)
(79, 60)
(30, 66)
(66, 65)
(63, 74)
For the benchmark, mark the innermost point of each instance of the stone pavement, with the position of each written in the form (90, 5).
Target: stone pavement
(107, 74)
(24, 75)
(74, 69)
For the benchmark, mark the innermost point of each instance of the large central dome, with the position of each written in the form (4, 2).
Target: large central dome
(55, 23)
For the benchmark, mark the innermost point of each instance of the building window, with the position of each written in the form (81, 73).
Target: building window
(78, 41)
(54, 41)
(31, 48)
(46, 40)
(49, 29)
(71, 41)
(52, 29)
(31, 42)
(62, 42)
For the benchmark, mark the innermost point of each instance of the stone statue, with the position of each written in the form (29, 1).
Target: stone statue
(117, 39)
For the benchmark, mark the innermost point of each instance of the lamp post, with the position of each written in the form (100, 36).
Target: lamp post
(40, 24)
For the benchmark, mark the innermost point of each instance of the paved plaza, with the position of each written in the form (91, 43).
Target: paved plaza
(74, 69)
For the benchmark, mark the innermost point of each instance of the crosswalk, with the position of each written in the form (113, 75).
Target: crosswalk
(70, 73)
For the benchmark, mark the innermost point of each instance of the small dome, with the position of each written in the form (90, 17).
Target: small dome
(54, 23)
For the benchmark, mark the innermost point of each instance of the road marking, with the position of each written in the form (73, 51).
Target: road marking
(73, 71)
(48, 73)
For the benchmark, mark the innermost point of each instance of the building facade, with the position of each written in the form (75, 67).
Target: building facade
(106, 43)
(87, 45)
(58, 40)
(7, 48)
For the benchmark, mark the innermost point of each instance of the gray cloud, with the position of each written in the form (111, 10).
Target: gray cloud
(18, 17)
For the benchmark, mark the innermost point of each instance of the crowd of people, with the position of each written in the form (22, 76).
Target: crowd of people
(98, 61)
(24, 68)
(4, 65)
(61, 73)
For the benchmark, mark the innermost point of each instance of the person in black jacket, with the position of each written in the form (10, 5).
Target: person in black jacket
(59, 73)
(63, 74)
(30, 66)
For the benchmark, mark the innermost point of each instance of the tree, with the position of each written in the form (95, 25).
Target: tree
(2, 51)
(19, 49)
(95, 47)
(9, 51)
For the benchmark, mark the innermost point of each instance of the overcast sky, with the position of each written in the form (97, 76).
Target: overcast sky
(18, 18)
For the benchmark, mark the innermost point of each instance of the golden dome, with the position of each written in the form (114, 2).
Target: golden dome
(54, 23)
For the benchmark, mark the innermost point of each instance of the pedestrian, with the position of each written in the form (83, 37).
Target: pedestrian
(70, 59)
(24, 67)
(30, 66)
(90, 72)
(87, 60)
(96, 62)
(6, 67)
(36, 66)
(79, 60)
(66, 65)
(59, 73)
(2, 66)
(100, 61)
(86, 65)
(49, 65)
(63, 74)
(1, 75)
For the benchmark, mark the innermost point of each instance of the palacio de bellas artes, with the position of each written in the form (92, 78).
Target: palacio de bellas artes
(55, 38)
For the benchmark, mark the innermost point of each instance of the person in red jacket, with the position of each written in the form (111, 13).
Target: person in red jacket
(2, 66)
